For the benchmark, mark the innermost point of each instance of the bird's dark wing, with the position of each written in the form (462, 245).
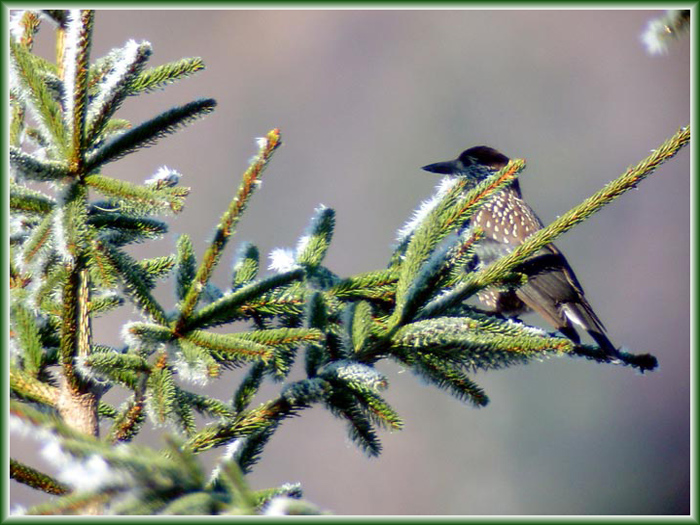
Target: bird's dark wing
(554, 292)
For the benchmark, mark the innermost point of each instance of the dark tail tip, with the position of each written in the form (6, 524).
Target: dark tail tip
(642, 362)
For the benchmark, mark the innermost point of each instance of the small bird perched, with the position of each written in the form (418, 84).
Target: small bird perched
(552, 289)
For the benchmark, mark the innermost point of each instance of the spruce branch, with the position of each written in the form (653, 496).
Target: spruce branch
(29, 22)
(120, 368)
(246, 266)
(227, 224)
(186, 266)
(138, 199)
(27, 332)
(72, 504)
(115, 85)
(254, 420)
(159, 77)
(25, 200)
(480, 348)
(35, 479)
(248, 387)
(102, 271)
(17, 124)
(363, 383)
(346, 406)
(207, 405)
(76, 59)
(136, 283)
(440, 373)
(34, 90)
(376, 285)
(120, 230)
(231, 349)
(74, 319)
(314, 245)
(101, 305)
(161, 398)
(129, 420)
(254, 297)
(148, 133)
(28, 387)
(28, 167)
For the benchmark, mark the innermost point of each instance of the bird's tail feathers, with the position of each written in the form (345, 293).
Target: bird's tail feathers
(582, 315)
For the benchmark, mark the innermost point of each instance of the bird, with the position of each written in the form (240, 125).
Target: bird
(551, 289)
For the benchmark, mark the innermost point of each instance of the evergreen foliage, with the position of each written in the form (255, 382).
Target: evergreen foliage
(68, 264)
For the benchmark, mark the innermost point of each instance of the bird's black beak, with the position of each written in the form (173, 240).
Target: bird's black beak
(446, 168)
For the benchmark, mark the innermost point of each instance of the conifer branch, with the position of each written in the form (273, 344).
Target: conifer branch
(39, 240)
(72, 320)
(28, 167)
(121, 368)
(186, 266)
(208, 405)
(231, 348)
(315, 243)
(480, 348)
(35, 479)
(128, 422)
(249, 422)
(27, 332)
(126, 229)
(25, 200)
(248, 387)
(43, 104)
(17, 124)
(253, 297)
(149, 132)
(376, 285)
(140, 199)
(28, 387)
(246, 267)
(78, 40)
(138, 285)
(72, 504)
(159, 77)
(115, 86)
(101, 305)
(227, 224)
(30, 23)
(439, 372)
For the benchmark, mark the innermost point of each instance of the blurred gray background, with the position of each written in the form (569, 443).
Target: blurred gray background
(363, 99)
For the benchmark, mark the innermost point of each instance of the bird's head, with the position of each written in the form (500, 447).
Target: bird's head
(476, 163)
